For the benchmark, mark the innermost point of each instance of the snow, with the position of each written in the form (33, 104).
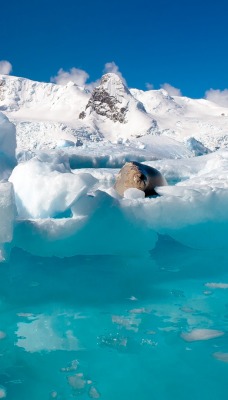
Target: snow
(46, 113)
(114, 86)
(111, 100)
(65, 143)
(182, 118)
(133, 194)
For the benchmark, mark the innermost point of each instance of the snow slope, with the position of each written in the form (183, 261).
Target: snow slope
(182, 117)
(45, 113)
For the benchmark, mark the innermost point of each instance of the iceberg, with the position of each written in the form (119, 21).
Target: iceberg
(46, 189)
(7, 217)
(7, 147)
(64, 212)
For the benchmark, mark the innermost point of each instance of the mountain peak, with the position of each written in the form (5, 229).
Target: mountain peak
(111, 77)
(114, 85)
(110, 98)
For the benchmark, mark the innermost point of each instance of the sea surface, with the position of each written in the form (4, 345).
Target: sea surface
(115, 327)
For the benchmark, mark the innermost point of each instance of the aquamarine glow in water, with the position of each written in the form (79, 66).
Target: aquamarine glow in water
(115, 328)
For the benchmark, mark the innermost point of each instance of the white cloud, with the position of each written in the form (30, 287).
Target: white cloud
(149, 86)
(171, 89)
(218, 96)
(80, 77)
(76, 75)
(5, 67)
(90, 86)
(112, 67)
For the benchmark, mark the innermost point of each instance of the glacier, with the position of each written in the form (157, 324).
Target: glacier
(104, 296)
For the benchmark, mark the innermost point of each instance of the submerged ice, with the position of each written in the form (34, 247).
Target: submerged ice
(110, 327)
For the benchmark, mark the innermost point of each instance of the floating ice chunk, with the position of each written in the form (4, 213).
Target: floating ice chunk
(130, 324)
(133, 298)
(187, 309)
(54, 394)
(215, 285)
(44, 189)
(168, 329)
(148, 342)
(133, 194)
(207, 292)
(93, 393)
(77, 381)
(2, 254)
(114, 341)
(197, 148)
(2, 392)
(2, 335)
(7, 212)
(139, 311)
(201, 334)
(7, 146)
(65, 143)
(73, 366)
(40, 334)
(221, 356)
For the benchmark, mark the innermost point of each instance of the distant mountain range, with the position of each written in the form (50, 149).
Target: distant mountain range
(47, 115)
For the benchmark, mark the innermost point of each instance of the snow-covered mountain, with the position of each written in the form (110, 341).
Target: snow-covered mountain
(47, 114)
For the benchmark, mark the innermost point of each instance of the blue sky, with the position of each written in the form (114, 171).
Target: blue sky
(183, 43)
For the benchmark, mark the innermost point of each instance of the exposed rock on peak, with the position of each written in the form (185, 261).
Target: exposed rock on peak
(114, 86)
(110, 98)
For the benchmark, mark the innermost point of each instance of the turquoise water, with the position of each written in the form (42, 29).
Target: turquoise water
(110, 327)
